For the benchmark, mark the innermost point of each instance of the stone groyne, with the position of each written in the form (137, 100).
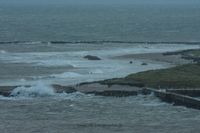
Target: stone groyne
(177, 97)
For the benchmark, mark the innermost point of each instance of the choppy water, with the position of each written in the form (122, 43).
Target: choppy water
(63, 63)
(87, 113)
(32, 51)
(39, 109)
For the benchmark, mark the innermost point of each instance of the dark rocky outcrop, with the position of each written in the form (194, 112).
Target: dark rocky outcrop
(106, 90)
(91, 57)
(144, 64)
(6, 90)
(115, 93)
(61, 89)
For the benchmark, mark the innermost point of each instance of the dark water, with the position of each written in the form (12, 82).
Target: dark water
(86, 113)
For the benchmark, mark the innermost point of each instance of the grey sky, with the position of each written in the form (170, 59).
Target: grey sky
(100, 2)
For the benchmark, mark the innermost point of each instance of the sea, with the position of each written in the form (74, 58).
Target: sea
(44, 42)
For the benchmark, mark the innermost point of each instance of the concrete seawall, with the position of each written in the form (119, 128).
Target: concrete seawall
(177, 99)
(188, 92)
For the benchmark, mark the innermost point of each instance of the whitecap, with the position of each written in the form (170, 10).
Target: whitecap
(38, 90)
(96, 71)
(3, 52)
(73, 96)
(66, 75)
(54, 62)
(22, 80)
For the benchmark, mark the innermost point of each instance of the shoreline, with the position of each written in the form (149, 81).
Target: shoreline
(103, 87)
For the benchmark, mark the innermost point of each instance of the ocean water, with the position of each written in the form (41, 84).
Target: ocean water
(87, 113)
(39, 109)
(137, 21)
(43, 44)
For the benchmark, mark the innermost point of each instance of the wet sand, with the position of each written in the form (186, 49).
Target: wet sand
(159, 57)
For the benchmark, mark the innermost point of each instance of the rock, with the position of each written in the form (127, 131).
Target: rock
(115, 93)
(144, 64)
(90, 57)
(61, 89)
(5, 93)
(6, 90)
(197, 60)
(106, 90)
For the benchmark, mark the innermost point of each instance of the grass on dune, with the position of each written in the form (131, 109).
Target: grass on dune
(184, 76)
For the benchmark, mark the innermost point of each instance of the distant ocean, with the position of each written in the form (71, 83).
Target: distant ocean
(134, 22)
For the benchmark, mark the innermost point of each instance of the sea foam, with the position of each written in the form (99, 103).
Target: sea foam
(38, 90)
(66, 75)
(3, 52)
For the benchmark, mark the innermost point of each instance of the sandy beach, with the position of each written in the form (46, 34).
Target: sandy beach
(158, 57)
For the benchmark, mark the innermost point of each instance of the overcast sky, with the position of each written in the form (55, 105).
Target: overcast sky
(101, 2)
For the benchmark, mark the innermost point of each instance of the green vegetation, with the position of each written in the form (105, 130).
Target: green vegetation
(195, 53)
(184, 76)
(179, 77)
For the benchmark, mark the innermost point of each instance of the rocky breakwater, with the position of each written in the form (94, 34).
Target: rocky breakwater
(107, 90)
(86, 88)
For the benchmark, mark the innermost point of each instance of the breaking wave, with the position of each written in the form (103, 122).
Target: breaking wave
(66, 75)
(38, 90)
(42, 90)
(3, 52)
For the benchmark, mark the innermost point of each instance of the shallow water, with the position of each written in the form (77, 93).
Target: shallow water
(63, 63)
